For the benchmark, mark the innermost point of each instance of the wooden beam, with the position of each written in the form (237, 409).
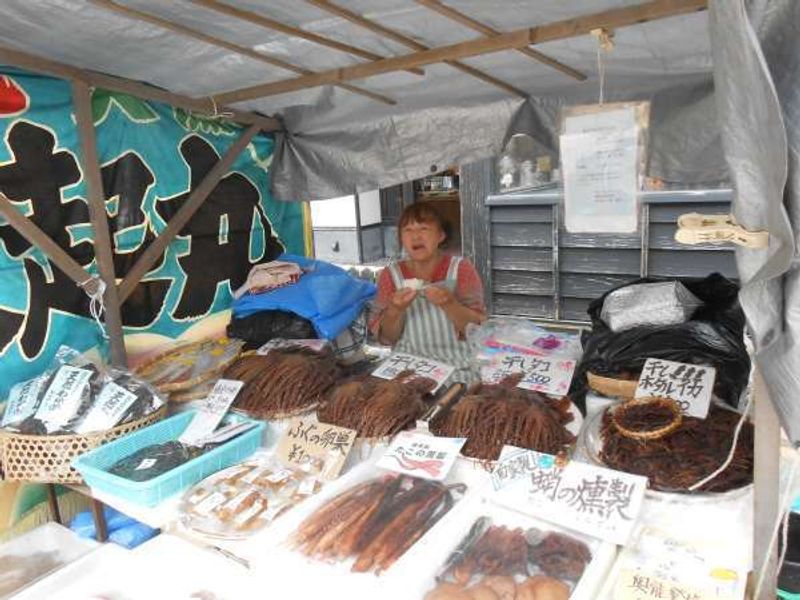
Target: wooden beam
(55, 253)
(103, 250)
(410, 43)
(215, 41)
(184, 214)
(475, 25)
(268, 23)
(520, 38)
(128, 86)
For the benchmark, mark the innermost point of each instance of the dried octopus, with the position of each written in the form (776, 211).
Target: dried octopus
(377, 407)
(491, 416)
(283, 382)
(687, 455)
(375, 522)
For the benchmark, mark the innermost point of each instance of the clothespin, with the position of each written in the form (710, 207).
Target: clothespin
(605, 38)
(696, 228)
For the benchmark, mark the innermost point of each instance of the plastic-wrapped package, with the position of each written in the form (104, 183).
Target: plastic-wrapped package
(154, 460)
(133, 534)
(664, 303)
(713, 336)
(239, 501)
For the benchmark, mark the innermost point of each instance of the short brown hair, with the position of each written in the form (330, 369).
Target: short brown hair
(422, 212)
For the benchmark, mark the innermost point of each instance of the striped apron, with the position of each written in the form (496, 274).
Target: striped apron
(429, 333)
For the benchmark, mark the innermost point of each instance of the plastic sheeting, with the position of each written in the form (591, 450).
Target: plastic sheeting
(338, 141)
(756, 69)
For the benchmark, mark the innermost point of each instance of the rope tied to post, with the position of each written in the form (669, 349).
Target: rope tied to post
(217, 114)
(95, 288)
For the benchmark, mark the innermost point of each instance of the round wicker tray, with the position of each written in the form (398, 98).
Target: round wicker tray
(609, 386)
(48, 458)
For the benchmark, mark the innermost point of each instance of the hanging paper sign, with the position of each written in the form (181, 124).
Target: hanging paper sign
(212, 411)
(600, 164)
(421, 455)
(279, 343)
(423, 367)
(542, 374)
(319, 448)
(599, 502)
(690, 386)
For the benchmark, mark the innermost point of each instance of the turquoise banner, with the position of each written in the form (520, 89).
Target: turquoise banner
(151, 155)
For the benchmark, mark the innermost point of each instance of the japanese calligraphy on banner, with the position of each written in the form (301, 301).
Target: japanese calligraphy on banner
(315, 345)
(212, 411)
(593, 500)
(424, 367)
(550, 375)
(151, 157)
(640, 585)
(689, 385)
(421, 455)
(318, 447)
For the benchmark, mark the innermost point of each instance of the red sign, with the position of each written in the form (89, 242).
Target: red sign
(13, 100)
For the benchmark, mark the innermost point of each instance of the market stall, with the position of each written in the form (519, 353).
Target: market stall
(169, 352)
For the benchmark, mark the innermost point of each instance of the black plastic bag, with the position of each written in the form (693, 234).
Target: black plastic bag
(261, 327)
(714, 335)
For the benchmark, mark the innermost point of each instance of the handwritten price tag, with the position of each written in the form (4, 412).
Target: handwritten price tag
(321, 447)
(399, 362)
(593, 500)
(542, 374)
(421, 455)
(212, 411)
(689, 385)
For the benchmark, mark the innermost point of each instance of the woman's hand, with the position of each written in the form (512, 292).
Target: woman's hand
(403, 298)
(438, 295)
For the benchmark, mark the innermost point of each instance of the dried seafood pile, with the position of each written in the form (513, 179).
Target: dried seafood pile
(495, 562)
(491, 416)
(686, 455)
(283, 383)
(375, 522)
(377, 407)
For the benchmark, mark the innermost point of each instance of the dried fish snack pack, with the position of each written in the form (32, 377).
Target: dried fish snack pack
(76, 396)
(244, 498)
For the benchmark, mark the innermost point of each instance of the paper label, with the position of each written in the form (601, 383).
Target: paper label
(22, 400)
(255, 474)
(63, 398)
(146, 464)
(641, 585)
(599, 502)
(542, 374)
(690, 386)
(279, 343)
(278, 476)
(421, 455)
(109, 408)
(423, 367)
(317, 448)
(599, 166)
(207, 506)
(212, 411)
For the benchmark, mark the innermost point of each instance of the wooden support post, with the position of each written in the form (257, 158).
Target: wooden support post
(766, 488)
(100, 525)
(103, 251)
(52, 501)
(55, 253)
(184, 214)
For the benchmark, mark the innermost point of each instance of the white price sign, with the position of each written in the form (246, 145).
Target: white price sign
(549, 375)
(213, 410)
(599, 502)
(689, 385)
(421, 455)
(423, 367)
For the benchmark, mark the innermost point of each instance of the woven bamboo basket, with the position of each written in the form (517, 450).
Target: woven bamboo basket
(48, 458)
(609, 386)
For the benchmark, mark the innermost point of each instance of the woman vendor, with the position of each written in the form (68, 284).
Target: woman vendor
(425, 301)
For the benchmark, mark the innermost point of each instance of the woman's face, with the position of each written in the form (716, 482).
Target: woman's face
(421, 240)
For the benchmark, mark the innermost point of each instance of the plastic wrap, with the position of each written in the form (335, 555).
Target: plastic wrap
(499, 336)
(242, 499)
(76, 396)
(666, 303)
(713, 336)
(154, 460)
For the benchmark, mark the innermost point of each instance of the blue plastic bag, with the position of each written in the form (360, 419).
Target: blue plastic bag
(133, 535)
(83, 523)
(326, 295)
